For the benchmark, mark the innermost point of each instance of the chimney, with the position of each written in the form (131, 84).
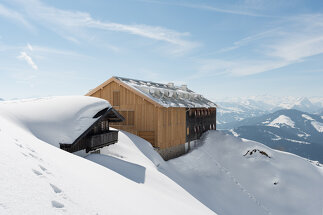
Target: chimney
(183, 87)
(171, 85)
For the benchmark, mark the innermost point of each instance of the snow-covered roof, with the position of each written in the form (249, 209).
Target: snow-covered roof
(168, 95)
(55, 120)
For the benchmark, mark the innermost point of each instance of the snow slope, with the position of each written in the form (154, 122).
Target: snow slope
(39, 178)
(236, 176)
(224, 175)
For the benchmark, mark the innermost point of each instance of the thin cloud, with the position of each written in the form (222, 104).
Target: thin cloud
(303, 39)
(29, 47)
(293, 40)
(75, 22)
(28, 59)
(239, 11)
(215, 67)
(10, 14)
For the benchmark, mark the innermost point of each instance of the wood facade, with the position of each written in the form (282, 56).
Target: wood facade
(163, 127)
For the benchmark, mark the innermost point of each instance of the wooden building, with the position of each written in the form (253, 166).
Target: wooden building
(168, 116)
(98, 134)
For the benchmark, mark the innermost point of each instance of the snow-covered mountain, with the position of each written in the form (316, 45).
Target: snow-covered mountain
(289, 130)
(228, 112)
(237, 109)
(223, 174)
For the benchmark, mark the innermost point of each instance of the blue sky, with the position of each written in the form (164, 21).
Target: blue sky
(219, 48)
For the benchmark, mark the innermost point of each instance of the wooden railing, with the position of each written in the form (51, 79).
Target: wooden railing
(92, 142)
(101, 140)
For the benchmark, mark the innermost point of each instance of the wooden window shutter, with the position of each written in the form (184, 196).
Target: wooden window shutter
(116, 98)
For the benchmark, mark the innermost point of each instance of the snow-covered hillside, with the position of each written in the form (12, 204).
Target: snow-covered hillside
(237, 176)
(39, 178)
(288, 130)
(224, 174)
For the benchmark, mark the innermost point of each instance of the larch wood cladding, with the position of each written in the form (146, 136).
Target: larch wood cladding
(166, 128)
(162, 127)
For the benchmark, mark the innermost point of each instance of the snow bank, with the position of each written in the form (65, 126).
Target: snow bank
(38, 178)
(237, 176)
(282, 120)
(54, 119)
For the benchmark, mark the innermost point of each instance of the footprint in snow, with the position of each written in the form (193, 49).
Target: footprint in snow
(19, 145)
(35, 156)
(30, 149)
(57, 204)
(32, 155)
(42, 168)
(24, 154)
(37, 172)
(55, 188)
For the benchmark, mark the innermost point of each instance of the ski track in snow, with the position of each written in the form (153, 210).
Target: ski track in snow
(236, 182)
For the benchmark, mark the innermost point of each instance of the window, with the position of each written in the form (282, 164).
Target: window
(116, 98)
(187, 131)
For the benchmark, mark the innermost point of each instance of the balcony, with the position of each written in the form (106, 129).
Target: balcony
(101, 140)
(92, 142)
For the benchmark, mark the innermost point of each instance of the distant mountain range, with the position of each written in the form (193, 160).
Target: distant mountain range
(288, 130)
(237, 109)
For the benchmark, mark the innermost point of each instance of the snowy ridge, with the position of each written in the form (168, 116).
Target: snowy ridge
(272, 103)
(317, 125)
(288, 130)
(282, 120)
(246, 177)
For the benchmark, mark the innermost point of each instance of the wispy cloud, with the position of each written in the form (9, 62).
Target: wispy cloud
(238, 10)
(250, 39)
(71, 24)
(293, 40)
(28, 59)
(302, 38)
(11, 14)
(29, 47)
(216, 67)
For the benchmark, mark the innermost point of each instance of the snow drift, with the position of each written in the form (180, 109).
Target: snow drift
(237, 176)
(38, 178)
(54, 119)
(224, 174)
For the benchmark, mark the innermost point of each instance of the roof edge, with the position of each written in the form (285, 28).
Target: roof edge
(114, 78)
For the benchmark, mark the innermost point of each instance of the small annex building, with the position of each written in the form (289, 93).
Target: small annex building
(98, 134)
(169, 117)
